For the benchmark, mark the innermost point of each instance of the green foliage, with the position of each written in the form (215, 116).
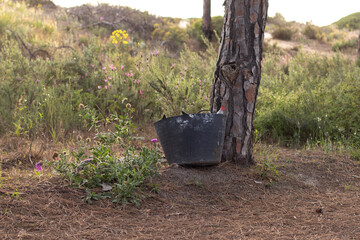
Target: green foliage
(195, 28)
(308, 97)
(172, 35)
(277, 20)
(313, 32)
(183, 84)
(351, 22)
(284, 33)
(121, 179)
(343, 45)
(267, 165)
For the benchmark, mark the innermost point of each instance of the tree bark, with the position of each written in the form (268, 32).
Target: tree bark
(207, 25)
(237, 75)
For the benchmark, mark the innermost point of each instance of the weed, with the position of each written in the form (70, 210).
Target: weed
(121, 178)
(267, 162)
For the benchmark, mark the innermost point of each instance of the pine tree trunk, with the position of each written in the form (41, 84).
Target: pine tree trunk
(207, 25)
(237, 75)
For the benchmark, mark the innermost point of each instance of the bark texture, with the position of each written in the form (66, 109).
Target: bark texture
(237, 75)
(207, 24)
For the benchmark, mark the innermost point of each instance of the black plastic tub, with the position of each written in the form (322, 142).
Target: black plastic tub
(192, 139)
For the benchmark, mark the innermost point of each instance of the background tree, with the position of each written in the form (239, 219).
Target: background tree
(207, 25)
(237, 75)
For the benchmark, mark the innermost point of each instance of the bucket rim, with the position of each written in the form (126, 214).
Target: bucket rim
(187, 115)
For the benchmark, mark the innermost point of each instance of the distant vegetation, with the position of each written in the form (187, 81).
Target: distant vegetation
(351, 22)
(53, 62)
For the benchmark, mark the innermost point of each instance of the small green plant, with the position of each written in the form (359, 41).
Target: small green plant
(120, 178)
(267, 162)
(355, 154)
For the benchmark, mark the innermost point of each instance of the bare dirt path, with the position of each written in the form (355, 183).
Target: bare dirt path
(316, 196)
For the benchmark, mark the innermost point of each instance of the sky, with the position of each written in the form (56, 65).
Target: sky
(319, 12)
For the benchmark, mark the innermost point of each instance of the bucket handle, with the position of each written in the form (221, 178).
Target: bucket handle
(204, 110)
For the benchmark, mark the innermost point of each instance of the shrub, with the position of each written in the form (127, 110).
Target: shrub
(121, 179)
(172, 35)
(315, 98)
(283, 33)
(277, 20)
(195, 29)
(343, 45)
(313, 32)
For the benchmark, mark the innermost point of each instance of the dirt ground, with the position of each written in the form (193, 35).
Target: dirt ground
(316, 196)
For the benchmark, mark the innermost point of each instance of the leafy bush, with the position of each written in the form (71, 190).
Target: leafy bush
(172, 35)
(195, 28)
(121, 179)
(351, 22)
(314, 98)
(283, 33)
(277, 20)
(342, 45)
(313, 32)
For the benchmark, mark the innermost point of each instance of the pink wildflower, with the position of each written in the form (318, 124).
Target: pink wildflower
(106, 87)
(141, 93)
(38, 167)
(99, 87)
(122, 66)
(101, 18)
(92, 66)
(154, 140)
(86, 74)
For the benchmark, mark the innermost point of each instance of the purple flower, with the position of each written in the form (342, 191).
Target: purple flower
(154, 140)
(38, 167)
